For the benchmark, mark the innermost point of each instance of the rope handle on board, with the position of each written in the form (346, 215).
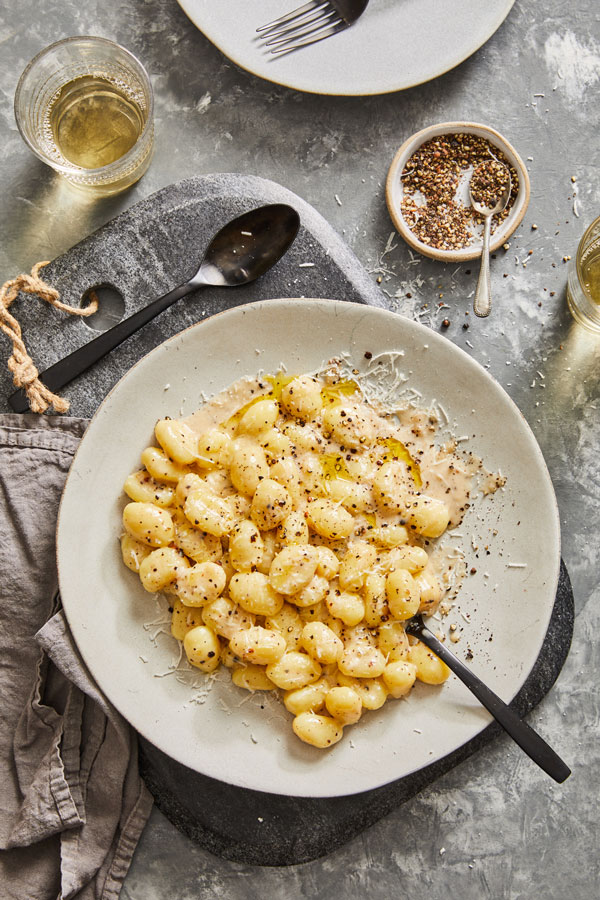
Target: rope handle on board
(20, 364)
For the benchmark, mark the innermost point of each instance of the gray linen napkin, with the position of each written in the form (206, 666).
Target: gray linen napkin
(72, 803)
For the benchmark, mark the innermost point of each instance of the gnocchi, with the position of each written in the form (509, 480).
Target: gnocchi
(302, 397)
(141, 487)
(252, 678)
(321, 642)
(148, 524)
(258, 645)
(293, 670)
(177, 440)
(200, 584)
(246, 546)
(202, 648)
(248, 466)
(271, 504)
(160, 467)
(320, 731)
(306, 699)
(294, 540)
(252, 591)
(344, 705)
(161, 567)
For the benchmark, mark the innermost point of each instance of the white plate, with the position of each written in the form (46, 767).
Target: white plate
(395, 45)
(229, 736)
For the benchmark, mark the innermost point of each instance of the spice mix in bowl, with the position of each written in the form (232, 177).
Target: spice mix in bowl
(427, 189)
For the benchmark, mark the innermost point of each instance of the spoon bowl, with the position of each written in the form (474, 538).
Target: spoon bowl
(248, 246)
(497, 207)
(243, 250)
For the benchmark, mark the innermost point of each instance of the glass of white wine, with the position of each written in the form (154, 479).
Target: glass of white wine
(583, 285)
(85, 107)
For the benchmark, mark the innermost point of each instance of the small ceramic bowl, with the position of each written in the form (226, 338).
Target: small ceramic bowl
(394, 189)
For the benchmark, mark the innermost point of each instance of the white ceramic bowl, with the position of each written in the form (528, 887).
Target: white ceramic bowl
(247, 739)
(394, 190)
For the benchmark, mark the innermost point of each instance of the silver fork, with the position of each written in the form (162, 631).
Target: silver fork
(315, 21)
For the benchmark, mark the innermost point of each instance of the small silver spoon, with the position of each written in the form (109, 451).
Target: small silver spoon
(482, 303)
(527, 739)
(240, 252)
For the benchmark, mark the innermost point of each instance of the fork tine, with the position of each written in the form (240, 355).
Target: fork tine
(280, 51)
(294, 14)
(313, 17)
(306, 28)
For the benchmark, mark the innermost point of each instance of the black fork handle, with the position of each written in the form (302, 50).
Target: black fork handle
(527, 739)
(65, 370)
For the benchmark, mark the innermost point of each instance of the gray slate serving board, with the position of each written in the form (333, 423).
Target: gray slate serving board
(157, 245)
(145, 252)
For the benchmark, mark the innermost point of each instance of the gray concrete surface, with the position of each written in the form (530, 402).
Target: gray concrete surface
(495, 827)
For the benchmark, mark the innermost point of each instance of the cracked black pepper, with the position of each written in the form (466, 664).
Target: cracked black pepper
(431, 180)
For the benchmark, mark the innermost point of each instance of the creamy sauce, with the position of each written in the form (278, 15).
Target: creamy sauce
(409, 435)
(438, 472)
(224, 405)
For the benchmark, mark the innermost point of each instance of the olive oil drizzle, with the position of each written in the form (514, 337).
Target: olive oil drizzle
(332, 394)
(397, 450)
(333, 464)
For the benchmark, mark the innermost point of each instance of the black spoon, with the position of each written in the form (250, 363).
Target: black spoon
(527, 739)
(240, 252)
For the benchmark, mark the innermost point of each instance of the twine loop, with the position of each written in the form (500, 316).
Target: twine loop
(24, 373)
